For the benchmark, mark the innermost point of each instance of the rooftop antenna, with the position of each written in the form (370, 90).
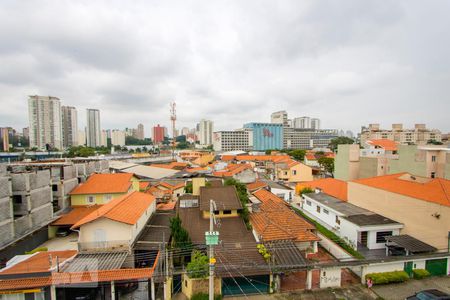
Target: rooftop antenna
(173, 118)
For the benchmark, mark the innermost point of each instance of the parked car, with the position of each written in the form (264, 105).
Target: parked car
(430, 295)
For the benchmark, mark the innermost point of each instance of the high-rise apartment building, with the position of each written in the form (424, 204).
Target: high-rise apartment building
(419, 135)
(81, 137)
(4, 139)
(158, 134)
(93, 128)
(206, 132)
(26, 132)
(185, 131)
(69, 126)
(302, 122)
(315, 123)
(118, 138)
(233, 140)
(44, 113)
(140, 132)
(104, 138)
(280, 117)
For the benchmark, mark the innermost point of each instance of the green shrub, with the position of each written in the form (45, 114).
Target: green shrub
(420, 273)
(40, 249)
(388, 277)
(204, 296)
(199, 265)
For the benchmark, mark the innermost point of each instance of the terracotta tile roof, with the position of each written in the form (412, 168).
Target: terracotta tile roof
(166, 206)
(143, 185)
(231, 170)
(310, 157)
(24, 283)
(331, 186)
(126, 209)
(39, 262)
(104, 184)
(173, 165)
(76, 214)
(256, 185)
(153, 190)
(384, 143)
(275, 221)
(198, 169)
(101, 276)
(435, 190)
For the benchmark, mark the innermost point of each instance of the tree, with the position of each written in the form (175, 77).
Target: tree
(80, 151)
(188, 188)
(434, 142)
(327, 163)
(243, 197)
(340, 141)
(306, 190)
(198, 267)
(298, 154)
(180, 236)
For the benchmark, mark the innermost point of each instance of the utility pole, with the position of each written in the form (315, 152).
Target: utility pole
(212, 239)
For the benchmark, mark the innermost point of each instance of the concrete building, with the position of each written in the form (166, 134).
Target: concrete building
(419, 135)
(4, 139)
(104, 138)
(279, 117)
(93, 128)
(233, 140)
(140, 132)
(185, 131)
(81, 137)
(117, 137)
(206, 132)
(26, 132)
(427, 161)
(69, 126)
(158, 134)
(302, 122)
(421, 204)
(44, 113)
(298, 138)
(266, 135)
(315, 123)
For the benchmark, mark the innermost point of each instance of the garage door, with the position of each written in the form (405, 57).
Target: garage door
(436, 267)
(245, 285)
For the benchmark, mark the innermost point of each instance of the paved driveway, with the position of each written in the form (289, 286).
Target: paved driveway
(403, 290)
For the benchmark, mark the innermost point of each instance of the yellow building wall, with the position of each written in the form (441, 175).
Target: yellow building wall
(302, 173)
(135, 183)
(77, 200)
(234, 213)
(197, 183)
(114, 231)
(418, 216)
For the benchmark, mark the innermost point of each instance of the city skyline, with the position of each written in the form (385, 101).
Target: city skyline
(362, 58)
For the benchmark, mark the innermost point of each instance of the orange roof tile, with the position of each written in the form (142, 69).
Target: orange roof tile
(143, 185)
(39, 262)
(76, 214)
(310, 157)
(104, 183)
(386, 144)
(197, 169)
(166, 206)
(126, 209)
(436, 190)
(24, 283)
(231, 170)
(173, 165)
(331, 186)
(101, 276)
(256, 185)
(275, 221)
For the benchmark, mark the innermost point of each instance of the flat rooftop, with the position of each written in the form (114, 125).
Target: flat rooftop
(345, 208)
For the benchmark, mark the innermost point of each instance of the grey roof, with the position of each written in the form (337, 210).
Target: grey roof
(286, 254)
(410, 243)
(276, 185)
(95, 261)
(225, 197)
(369, 220)
(150, 172)
(156, 232)
(345, 208)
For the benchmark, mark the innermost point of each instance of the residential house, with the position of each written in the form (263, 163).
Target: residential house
(116, 224)
(102, 188)
(421, 204)
(274, 221)
(330, 186)
(292, 171)
(240, 267)
(280, 190)
(164, 191)
(361, 228)
(241, 172)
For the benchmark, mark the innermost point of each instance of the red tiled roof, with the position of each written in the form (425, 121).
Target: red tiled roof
(24, 283)
(436, 190)
(143, 185)
(275, 221)
(231, 170)
(331, 186)
(256, 185)
(39, 262)
(166, 206)
(104, 183)
(310, 157)
(386, 144)
(126, 209)
(76, 214)
(173, 165)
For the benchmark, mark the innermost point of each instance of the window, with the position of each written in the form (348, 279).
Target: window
(107, 198)
(325, 211)
(318, 209)
(285, 173)
(17, 199)
(433, 174)
(227, 212)
(216, 212)
(308, 202)
(189, 203)
(381, 236)
(338, 221)
(55, 187)
(294, 172)
(90, 199)
(433, 158)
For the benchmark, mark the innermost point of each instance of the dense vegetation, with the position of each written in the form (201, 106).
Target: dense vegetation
(199, 265)
(339, 141)
(388, 277)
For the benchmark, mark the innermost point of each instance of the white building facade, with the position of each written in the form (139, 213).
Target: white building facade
(69, 126)
(93, 128)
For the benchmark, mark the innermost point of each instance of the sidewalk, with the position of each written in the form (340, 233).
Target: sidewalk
(403, 290)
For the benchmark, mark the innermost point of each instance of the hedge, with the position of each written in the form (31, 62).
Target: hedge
(39, 249)
(388, 277)
(331, 235)
(420, 273)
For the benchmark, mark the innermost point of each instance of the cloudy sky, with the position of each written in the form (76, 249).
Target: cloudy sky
(348, 63)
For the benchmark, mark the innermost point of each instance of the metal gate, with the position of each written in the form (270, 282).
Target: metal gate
(245, 285)
(436, 267)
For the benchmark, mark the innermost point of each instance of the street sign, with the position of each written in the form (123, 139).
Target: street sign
(212, 238)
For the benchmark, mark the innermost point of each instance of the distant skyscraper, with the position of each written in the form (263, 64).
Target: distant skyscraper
(4, 138)
(104, 139)
(315, 123)
(185, 131)
(140, 132)
(158, 134)
(206, 131)
(118, 138)
(26, 132)
(81, 137)
(280, 117)
(302, 122)
(44, 113)
(69, 126)
(93, 129)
